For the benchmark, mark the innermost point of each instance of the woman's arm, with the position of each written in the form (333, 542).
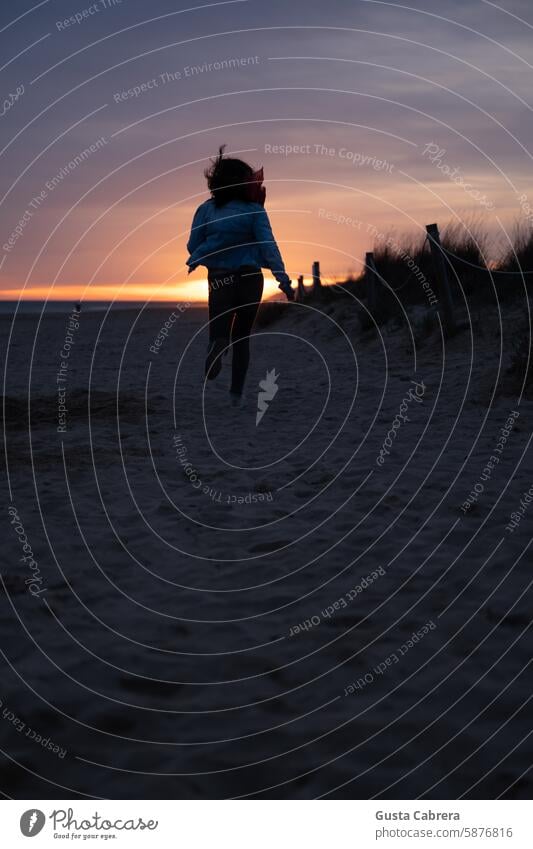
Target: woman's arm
(197, 235)
(209, 246)
(271, 255)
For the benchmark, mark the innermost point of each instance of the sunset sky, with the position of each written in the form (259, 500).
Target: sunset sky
(368, 117)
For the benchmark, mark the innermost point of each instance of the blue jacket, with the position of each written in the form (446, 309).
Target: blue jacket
(232, 235)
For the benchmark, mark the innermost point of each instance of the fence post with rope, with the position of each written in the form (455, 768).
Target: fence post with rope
(445, 307)
(317, 285)
(371, 282)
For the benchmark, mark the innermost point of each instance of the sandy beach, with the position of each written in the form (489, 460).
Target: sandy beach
(332, 602)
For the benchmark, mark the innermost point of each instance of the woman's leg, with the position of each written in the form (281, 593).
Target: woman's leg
(248, 290)
(221, 304)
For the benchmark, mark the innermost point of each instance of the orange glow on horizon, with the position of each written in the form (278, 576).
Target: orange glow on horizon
(191, 291)
(194, 292)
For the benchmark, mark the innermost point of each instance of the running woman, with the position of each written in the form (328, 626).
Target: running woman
(231, 235)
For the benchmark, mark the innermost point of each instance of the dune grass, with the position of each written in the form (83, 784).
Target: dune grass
(407, 275)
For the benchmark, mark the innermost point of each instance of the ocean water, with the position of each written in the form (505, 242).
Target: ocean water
(62, 307)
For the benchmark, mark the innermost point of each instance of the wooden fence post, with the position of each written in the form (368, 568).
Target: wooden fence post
(443, 283)
(371, 281)
(316, 276)
(301, 288)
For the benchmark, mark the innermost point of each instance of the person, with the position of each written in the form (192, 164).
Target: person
(231, 235)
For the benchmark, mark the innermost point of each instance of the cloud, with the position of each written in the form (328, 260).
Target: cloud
(374, 79)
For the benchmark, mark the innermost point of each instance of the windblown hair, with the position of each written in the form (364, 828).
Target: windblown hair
(228, 179)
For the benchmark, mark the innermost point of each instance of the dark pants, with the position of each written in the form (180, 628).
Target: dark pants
(234, 298)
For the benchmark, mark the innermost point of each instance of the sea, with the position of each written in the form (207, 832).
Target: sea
(12, 308)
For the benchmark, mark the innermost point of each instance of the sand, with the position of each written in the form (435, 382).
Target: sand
(297, 608)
